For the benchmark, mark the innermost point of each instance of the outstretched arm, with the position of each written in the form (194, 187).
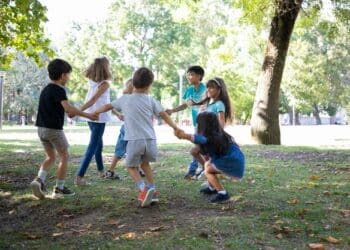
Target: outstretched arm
(104, 108)
(73, 111)
(179, 108)
(101, 89)
(164, 115)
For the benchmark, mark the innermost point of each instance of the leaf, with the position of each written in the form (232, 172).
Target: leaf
(30, 236)
(316, 246)
(293, 202)
(155, 229)
(314, 177)
(130, 235)
(279, 236)
(57, 234)
(112, 222)
(346, 213)
(332, 240)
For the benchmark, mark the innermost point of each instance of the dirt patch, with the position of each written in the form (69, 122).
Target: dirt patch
(303, 156)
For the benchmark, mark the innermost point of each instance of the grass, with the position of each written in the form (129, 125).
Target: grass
(289, 197)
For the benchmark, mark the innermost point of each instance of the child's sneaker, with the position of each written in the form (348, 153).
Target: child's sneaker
(109, 174)
(145, 196)
(220, 198)
(208, 190)
(60, 193)
(189, 175)
(38, 188)
(155, 197)
(78, 181)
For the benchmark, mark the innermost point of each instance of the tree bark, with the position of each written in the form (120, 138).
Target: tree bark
(265, 124)
(316, 113)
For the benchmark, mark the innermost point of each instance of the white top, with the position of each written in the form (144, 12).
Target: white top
(101, 101)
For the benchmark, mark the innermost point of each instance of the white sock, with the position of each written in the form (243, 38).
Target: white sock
(42, 174)
(222, 192)
(60, 184)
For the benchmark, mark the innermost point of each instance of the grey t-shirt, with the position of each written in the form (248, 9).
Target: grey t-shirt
(138, 110)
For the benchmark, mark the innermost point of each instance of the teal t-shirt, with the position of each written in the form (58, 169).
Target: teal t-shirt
(195, 95)
(216, 107)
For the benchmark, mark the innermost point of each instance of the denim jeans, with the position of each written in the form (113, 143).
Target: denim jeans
(193, 166)
(94, 148)
(120, 147)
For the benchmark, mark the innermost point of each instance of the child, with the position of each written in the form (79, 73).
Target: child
(52, 105)
(218, 102)
(120, 147)
(219, 154)
(139, 109)
(194, 93)
(98, 95)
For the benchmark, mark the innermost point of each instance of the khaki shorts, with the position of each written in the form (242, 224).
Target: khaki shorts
(53, 138)
(138, 151)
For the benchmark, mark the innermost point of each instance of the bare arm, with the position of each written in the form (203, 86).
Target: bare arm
(164, 115)
(179, 108)
(104, 108)
(101, 89)
(73, 111)
(182, 135)
(118, 114)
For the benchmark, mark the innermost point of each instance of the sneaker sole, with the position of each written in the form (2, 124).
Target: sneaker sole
(148, 199)
(36, 190)
(60, 196)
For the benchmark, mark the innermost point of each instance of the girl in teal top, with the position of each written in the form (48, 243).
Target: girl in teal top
(217, 100)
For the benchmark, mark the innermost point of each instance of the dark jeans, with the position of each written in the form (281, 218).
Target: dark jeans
(94, 148)
(193, 166)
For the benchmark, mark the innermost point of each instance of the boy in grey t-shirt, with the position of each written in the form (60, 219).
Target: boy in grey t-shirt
(139, 109)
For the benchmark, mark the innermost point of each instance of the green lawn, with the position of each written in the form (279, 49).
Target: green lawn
(289, 197)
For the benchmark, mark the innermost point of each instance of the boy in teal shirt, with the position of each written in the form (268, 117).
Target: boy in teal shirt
(194, 93)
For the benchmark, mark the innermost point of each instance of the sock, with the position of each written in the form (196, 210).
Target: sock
(151, 185)
(211, 188)
(222, 192)
(141, 185)
(60, 184)
(42, 174)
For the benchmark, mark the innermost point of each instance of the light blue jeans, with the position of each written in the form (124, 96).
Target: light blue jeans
(94, 148)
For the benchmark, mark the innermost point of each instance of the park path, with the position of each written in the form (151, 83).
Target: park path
(325, 136)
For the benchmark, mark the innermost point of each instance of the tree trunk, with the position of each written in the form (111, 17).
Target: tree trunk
(316, 114)
(296, 118)
(265, 125)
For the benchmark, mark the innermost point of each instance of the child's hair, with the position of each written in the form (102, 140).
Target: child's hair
(143, 77)
(198, 70)
(128, 86)
(223, 96)
(57, 67)
(99, 70)
(218, 140)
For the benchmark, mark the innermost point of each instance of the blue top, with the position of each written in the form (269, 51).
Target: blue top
(231, 163)
(216, 107)
(195, 95)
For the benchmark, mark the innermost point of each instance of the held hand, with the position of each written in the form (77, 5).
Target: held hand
(94, 116)
(70, 115)
(179, 133)
(121, 117)
(169, 111)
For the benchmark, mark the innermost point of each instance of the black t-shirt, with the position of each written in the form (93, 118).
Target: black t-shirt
(51, 111)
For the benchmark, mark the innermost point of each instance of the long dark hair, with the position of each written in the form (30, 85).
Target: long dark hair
(218, 140)
(223, 96)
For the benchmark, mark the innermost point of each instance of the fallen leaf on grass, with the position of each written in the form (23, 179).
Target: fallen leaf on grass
(279, 236)
(112, 222)
(332, 240)
(121, 226)
(293, 202)
(57, 234)
(30, 236)
(13, 211)
(279, 222)
(346, 213)
(155, 229)
(314, 177)
(316, 246)
(60, 225)
(130, 235)
(326, 192)
(302, 212)
(68, 216)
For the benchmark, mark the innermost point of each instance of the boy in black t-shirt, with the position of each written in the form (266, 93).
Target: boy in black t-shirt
(52, 105)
